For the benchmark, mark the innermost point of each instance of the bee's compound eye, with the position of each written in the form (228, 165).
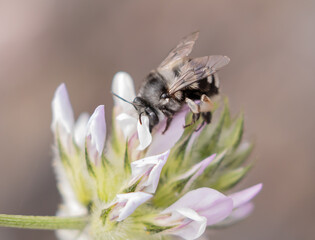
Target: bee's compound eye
(164, 95)
(137, 100)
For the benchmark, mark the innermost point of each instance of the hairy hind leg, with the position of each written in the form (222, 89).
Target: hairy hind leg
(195, 118)
(204, 108)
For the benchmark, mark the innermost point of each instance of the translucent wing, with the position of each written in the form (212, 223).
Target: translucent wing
(197, 69)
(182, 50)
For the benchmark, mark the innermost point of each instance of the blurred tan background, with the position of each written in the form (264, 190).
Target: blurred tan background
(84, 43)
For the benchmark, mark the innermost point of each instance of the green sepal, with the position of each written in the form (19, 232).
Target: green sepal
(133, 187)
(62, 153)
(206, 143)
(205, 178)
(239, 156)
(89, 164)
(153, 228)
(105, 213)
(227, 119)
(127, 162)
(105, 161)
(231, 137)
(229, 179)
(176, 160)
(170, 192)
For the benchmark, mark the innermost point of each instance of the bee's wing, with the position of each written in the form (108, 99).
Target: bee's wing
(182, 50)
(197, 69)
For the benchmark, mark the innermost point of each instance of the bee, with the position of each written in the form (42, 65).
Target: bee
(177, 81)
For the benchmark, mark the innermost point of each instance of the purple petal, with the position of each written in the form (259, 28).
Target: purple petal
(206, 202)
(244, 196)
(131, 201)
(96, 129)
(218, 211)
(62, 112)
(238, 214)
(123, 86)
(162, 142)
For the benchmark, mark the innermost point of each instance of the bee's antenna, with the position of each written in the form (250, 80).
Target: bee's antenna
(122, 98)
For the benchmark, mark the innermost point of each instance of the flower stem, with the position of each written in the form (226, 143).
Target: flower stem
(42, 222)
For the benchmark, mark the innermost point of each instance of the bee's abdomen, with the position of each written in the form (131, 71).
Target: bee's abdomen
(208, 86)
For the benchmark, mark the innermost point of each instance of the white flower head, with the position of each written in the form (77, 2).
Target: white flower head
(111, 199)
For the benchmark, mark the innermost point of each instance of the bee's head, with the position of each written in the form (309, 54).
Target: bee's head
(143, 107)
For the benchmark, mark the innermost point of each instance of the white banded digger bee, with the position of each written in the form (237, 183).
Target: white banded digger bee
(177, 81)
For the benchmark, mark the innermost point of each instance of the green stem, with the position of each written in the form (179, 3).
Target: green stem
(43, 222)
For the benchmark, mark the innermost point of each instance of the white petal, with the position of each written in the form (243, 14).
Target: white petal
(62, 113)
(123, 86)
(127, 123)
(207, 202)
(193, 226)
(96, 130)
(163, 142)
(152, 167)
(132, 201)
(80, 129)
(246, 195)
(144, 134)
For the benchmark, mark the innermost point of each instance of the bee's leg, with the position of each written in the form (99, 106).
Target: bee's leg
(206, 116)
(194, 108)
(168, 123)
(204, 107)
(169, 119)
(195, 118)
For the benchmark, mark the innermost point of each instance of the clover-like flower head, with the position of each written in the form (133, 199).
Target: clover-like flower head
(138, 184)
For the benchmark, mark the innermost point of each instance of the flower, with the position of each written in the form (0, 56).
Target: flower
(127, 203)
(147, 171)
(137, 184)
(194, 211)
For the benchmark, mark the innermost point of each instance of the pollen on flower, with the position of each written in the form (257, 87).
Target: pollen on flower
(142, 184)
